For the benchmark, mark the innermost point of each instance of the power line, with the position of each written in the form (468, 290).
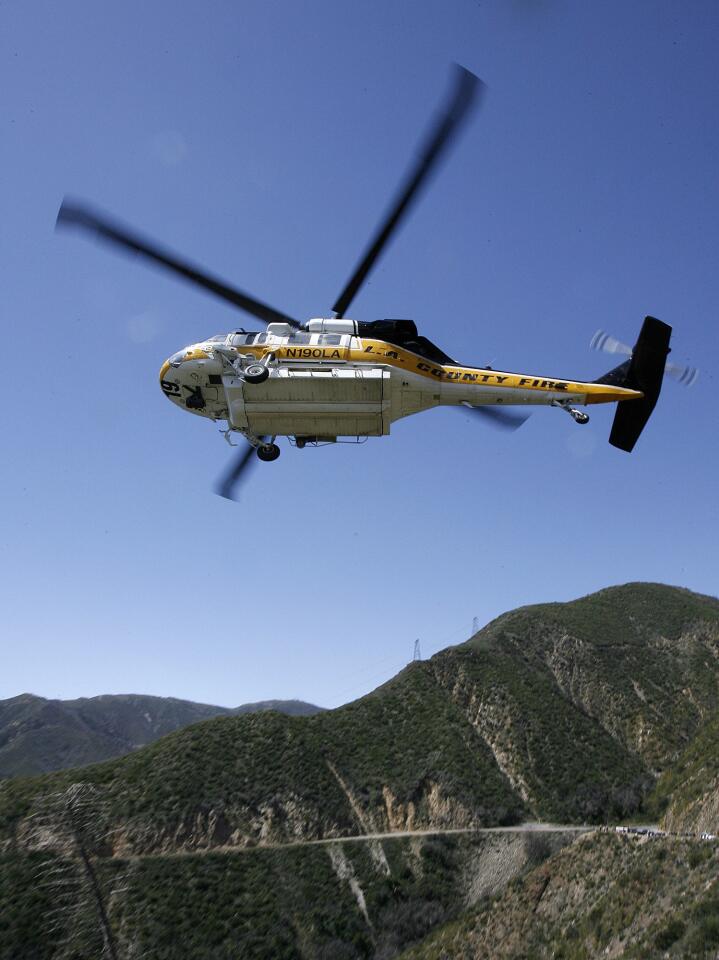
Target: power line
(394, 663)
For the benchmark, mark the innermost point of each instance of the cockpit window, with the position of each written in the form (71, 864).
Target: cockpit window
(244, 339)
(177, 358)
(218, 338)
(297, 336)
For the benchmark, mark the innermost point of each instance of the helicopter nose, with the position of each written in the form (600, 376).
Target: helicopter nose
(170, 387)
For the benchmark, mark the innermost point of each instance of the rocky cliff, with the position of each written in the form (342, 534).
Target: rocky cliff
(606, 896)
(687, 794)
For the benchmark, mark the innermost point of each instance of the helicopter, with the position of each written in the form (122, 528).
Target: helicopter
(334, 379)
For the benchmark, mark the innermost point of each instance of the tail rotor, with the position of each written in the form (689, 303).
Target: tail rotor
(685, 375)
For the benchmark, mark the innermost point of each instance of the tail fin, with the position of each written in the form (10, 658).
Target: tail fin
(644, 371)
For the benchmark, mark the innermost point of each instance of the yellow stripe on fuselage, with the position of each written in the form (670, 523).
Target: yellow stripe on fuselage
(379, 352)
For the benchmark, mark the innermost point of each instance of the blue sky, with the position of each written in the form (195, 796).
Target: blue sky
(264, 140)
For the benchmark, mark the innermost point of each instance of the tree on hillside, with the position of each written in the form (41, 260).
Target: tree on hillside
(71, 824)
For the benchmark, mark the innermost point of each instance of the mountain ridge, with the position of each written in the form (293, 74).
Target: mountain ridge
(40, 735)
(597, 710)
(561, 712)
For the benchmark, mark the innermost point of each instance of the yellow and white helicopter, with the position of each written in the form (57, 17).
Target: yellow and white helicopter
(334, 378)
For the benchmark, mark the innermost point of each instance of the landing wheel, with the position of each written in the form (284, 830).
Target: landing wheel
(580, 417)
(268, 452)
(300, 443)
(256, 373)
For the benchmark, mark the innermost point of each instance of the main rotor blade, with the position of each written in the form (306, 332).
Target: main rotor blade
(225, 487)
(111, 232)
(466, 88)
(502, 419)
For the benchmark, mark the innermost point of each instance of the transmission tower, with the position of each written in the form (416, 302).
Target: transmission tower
(475, 625)
(417, 654)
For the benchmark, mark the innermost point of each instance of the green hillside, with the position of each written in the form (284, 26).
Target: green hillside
(641, 659)
(39, 735)
(596, 710)
(340, 901)
(687, 794)
(404, 752)
(605, 896)
(558, 711)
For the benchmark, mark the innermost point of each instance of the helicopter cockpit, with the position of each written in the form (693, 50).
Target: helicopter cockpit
(244, 338)
(400, 333)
